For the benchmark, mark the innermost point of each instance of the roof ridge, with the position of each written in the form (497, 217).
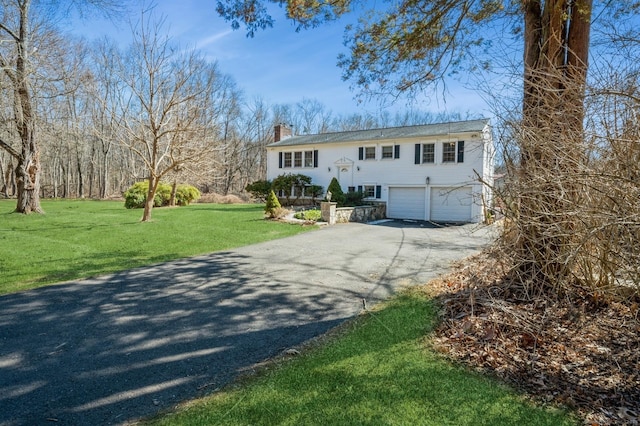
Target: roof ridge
(390, 128)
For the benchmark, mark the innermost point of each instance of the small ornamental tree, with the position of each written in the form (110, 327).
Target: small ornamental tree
(259, 189)
(314, 191)
(288, 182)
(337, 194)
(272, 205)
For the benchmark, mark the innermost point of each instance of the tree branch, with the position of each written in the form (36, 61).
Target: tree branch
(9, 149)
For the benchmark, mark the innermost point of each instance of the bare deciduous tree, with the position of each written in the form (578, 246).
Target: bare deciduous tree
(165, 104)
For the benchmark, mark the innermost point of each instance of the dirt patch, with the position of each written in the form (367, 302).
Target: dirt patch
(580, 351)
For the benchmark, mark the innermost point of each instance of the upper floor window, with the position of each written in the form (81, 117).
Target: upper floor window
(298, 159)
(370, 153)
(387, 151)
(428, 153)
(308, 158)
(449, 152)
(453, 152)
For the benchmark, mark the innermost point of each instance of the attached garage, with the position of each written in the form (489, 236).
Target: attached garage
(451, 204)
(406, 203)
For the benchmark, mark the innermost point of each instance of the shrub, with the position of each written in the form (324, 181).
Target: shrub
(336, 192)
(186, 194)
(136, 195)
(314, 191)
(291, 182)
(353, 199)
(259, 189)
(279, 213)
(314, 215)
(272, 205)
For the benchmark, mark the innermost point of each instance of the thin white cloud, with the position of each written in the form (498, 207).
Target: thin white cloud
(212, 39)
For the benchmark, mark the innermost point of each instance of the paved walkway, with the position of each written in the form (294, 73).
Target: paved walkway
(112, 349)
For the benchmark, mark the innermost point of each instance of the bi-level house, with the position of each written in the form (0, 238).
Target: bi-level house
(438, 172)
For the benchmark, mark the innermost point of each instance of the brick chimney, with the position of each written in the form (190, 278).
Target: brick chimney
(281, 131)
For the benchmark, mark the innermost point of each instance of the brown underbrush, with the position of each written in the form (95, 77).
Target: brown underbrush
(577, 350)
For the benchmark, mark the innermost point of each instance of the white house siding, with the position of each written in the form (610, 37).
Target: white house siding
(341, 160)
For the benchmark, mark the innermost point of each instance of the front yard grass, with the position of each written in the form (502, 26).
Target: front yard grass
(82, 238)
(377, 370)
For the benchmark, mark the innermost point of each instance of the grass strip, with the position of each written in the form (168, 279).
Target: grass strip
(379, 370)
(82, 238)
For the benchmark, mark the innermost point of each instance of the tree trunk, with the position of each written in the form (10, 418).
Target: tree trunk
(555, 68)
(174, 190)
(28, 167)
(151, 194)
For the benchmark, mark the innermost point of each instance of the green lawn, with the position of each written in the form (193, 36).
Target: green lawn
(82, 238)
(380, 371)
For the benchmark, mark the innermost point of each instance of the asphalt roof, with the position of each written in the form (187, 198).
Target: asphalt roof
(438, 129)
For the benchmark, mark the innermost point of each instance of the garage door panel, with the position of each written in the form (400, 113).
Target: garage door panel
(406, 203)
(451, 204)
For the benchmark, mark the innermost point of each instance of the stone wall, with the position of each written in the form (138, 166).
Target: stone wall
(361, 213)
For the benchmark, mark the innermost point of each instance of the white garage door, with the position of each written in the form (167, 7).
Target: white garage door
(451, 204)
(406, 203)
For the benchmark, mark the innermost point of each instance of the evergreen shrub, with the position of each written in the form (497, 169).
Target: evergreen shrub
(272, 207)
(337, 195)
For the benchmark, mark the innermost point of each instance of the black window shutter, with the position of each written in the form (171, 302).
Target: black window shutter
(315, 158)
(378, 191)
(460, 151)
(359, 188)
(361, 153)
(279, 160)
(417, 158)
(396, 151)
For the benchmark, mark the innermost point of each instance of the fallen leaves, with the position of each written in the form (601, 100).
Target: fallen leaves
(577, 351)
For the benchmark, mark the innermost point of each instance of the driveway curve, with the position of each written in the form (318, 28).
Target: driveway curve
(111, 349)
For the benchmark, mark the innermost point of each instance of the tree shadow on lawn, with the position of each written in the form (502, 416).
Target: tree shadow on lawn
(115, 348)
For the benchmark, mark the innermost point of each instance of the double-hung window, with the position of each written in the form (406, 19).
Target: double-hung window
(453, 152)
(449, 152)
(308, 158)
(298, 159)
(387, 151)
(369, 152)
(428, 153)
(369, 191)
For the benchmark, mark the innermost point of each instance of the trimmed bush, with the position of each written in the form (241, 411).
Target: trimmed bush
(353, 199)
(186, 194)
(136, 195)
(337, 194)
(314, 215)
(272, 205)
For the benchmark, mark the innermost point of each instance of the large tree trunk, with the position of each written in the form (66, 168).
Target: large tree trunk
(551, 138)
(28, 166)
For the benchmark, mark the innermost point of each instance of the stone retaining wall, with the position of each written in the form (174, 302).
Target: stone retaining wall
(361, 213)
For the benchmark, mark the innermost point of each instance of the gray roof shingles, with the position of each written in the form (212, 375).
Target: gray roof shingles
(425, 130)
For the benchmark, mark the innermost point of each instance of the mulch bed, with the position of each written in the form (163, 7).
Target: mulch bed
(581, 352)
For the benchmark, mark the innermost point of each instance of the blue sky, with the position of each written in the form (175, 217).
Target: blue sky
(279, 64)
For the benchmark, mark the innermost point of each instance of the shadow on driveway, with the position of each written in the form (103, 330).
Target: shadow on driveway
(112, 349)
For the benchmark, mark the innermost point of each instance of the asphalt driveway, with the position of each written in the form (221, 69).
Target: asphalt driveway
(111, 349)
